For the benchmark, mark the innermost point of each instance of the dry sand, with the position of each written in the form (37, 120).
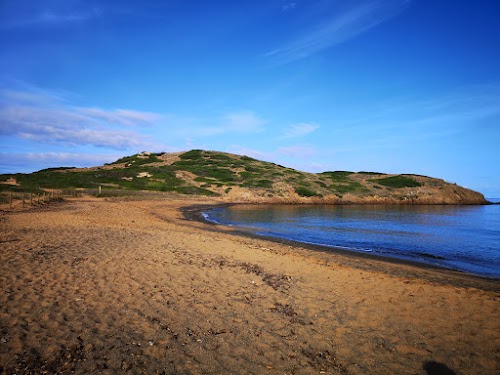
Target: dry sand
(92, 286)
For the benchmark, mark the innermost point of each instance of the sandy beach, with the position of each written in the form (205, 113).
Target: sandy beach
(114, 286)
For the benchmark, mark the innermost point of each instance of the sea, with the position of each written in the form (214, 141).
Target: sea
(463, 238)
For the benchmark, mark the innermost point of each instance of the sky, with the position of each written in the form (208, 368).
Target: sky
(393, 86)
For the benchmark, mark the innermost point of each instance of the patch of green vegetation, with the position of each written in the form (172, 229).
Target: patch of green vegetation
(18, 189)
(210, 172)
(164, 172)
(247, 158)
(397, 182)
(125, 178)
(61, 180)
(138, 159)
(306, 192)
(56, 169)
(262, 183)
(193, 190)
(192, 155)
(251, 169)
(415, 175)
(205, 180)
(220, 174)
(372, 173)
(351, 187)
(156, 185)
(342, 184)
(219, 156)
(336, 175)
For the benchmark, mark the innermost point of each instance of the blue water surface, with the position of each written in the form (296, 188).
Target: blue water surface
(465, 238)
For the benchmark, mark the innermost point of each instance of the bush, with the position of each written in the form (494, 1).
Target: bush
(306, 192)
(193, 154)
(193, 190)
(397, 182)
(337, 175)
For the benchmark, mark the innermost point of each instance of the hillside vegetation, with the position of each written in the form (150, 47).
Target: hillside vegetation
(239, 178)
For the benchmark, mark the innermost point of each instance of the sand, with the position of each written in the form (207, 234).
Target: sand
(92, 286)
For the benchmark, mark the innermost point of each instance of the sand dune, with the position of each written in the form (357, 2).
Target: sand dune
(96, 286)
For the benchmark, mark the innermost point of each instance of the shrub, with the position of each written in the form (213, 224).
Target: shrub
(372, 173)
(247, 158)
(193, 154)
(397, 182)
(258, 183)
(306, 192)
(193, 190)
(337, 175)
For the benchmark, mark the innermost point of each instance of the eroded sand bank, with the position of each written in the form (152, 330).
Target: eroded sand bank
(96, 286)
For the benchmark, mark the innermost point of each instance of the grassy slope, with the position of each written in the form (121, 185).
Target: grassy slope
(212, 173)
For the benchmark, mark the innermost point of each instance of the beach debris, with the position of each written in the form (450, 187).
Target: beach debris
(287, 309)
(278, 282)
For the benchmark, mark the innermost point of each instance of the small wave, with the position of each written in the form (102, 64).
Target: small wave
(430, 256)
(332, 246)
(208, 218)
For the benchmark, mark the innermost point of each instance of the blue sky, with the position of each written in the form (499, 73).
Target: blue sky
(396, 86)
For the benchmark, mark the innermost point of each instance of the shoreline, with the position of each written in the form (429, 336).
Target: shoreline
(434, 272)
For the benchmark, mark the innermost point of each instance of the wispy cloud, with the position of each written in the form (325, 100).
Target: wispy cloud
(122, 116)
(25, 13)
(40, 118)
(299, 130)
(454, 111)
(340, 26)
(289, 6)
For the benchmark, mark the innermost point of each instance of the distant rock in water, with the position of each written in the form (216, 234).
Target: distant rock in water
(237, 178)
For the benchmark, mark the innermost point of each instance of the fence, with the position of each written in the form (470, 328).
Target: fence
(24, 200)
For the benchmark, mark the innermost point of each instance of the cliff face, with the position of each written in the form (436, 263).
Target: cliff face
(447, 195)
(237, 178)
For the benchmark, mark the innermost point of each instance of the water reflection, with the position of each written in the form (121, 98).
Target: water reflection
(461, 237)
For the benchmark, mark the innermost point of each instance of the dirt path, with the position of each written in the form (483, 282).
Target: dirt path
(95, 286)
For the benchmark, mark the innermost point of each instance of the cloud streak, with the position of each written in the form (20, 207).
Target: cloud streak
(27, 13)
(125, 117)
(339, 27)
(43, 118)
(464, 107)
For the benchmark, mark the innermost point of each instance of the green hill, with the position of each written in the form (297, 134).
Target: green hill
(242, 179)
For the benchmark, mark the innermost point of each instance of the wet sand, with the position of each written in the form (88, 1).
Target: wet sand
(131, 286)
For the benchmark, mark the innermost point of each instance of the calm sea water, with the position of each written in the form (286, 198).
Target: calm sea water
(465, 238)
